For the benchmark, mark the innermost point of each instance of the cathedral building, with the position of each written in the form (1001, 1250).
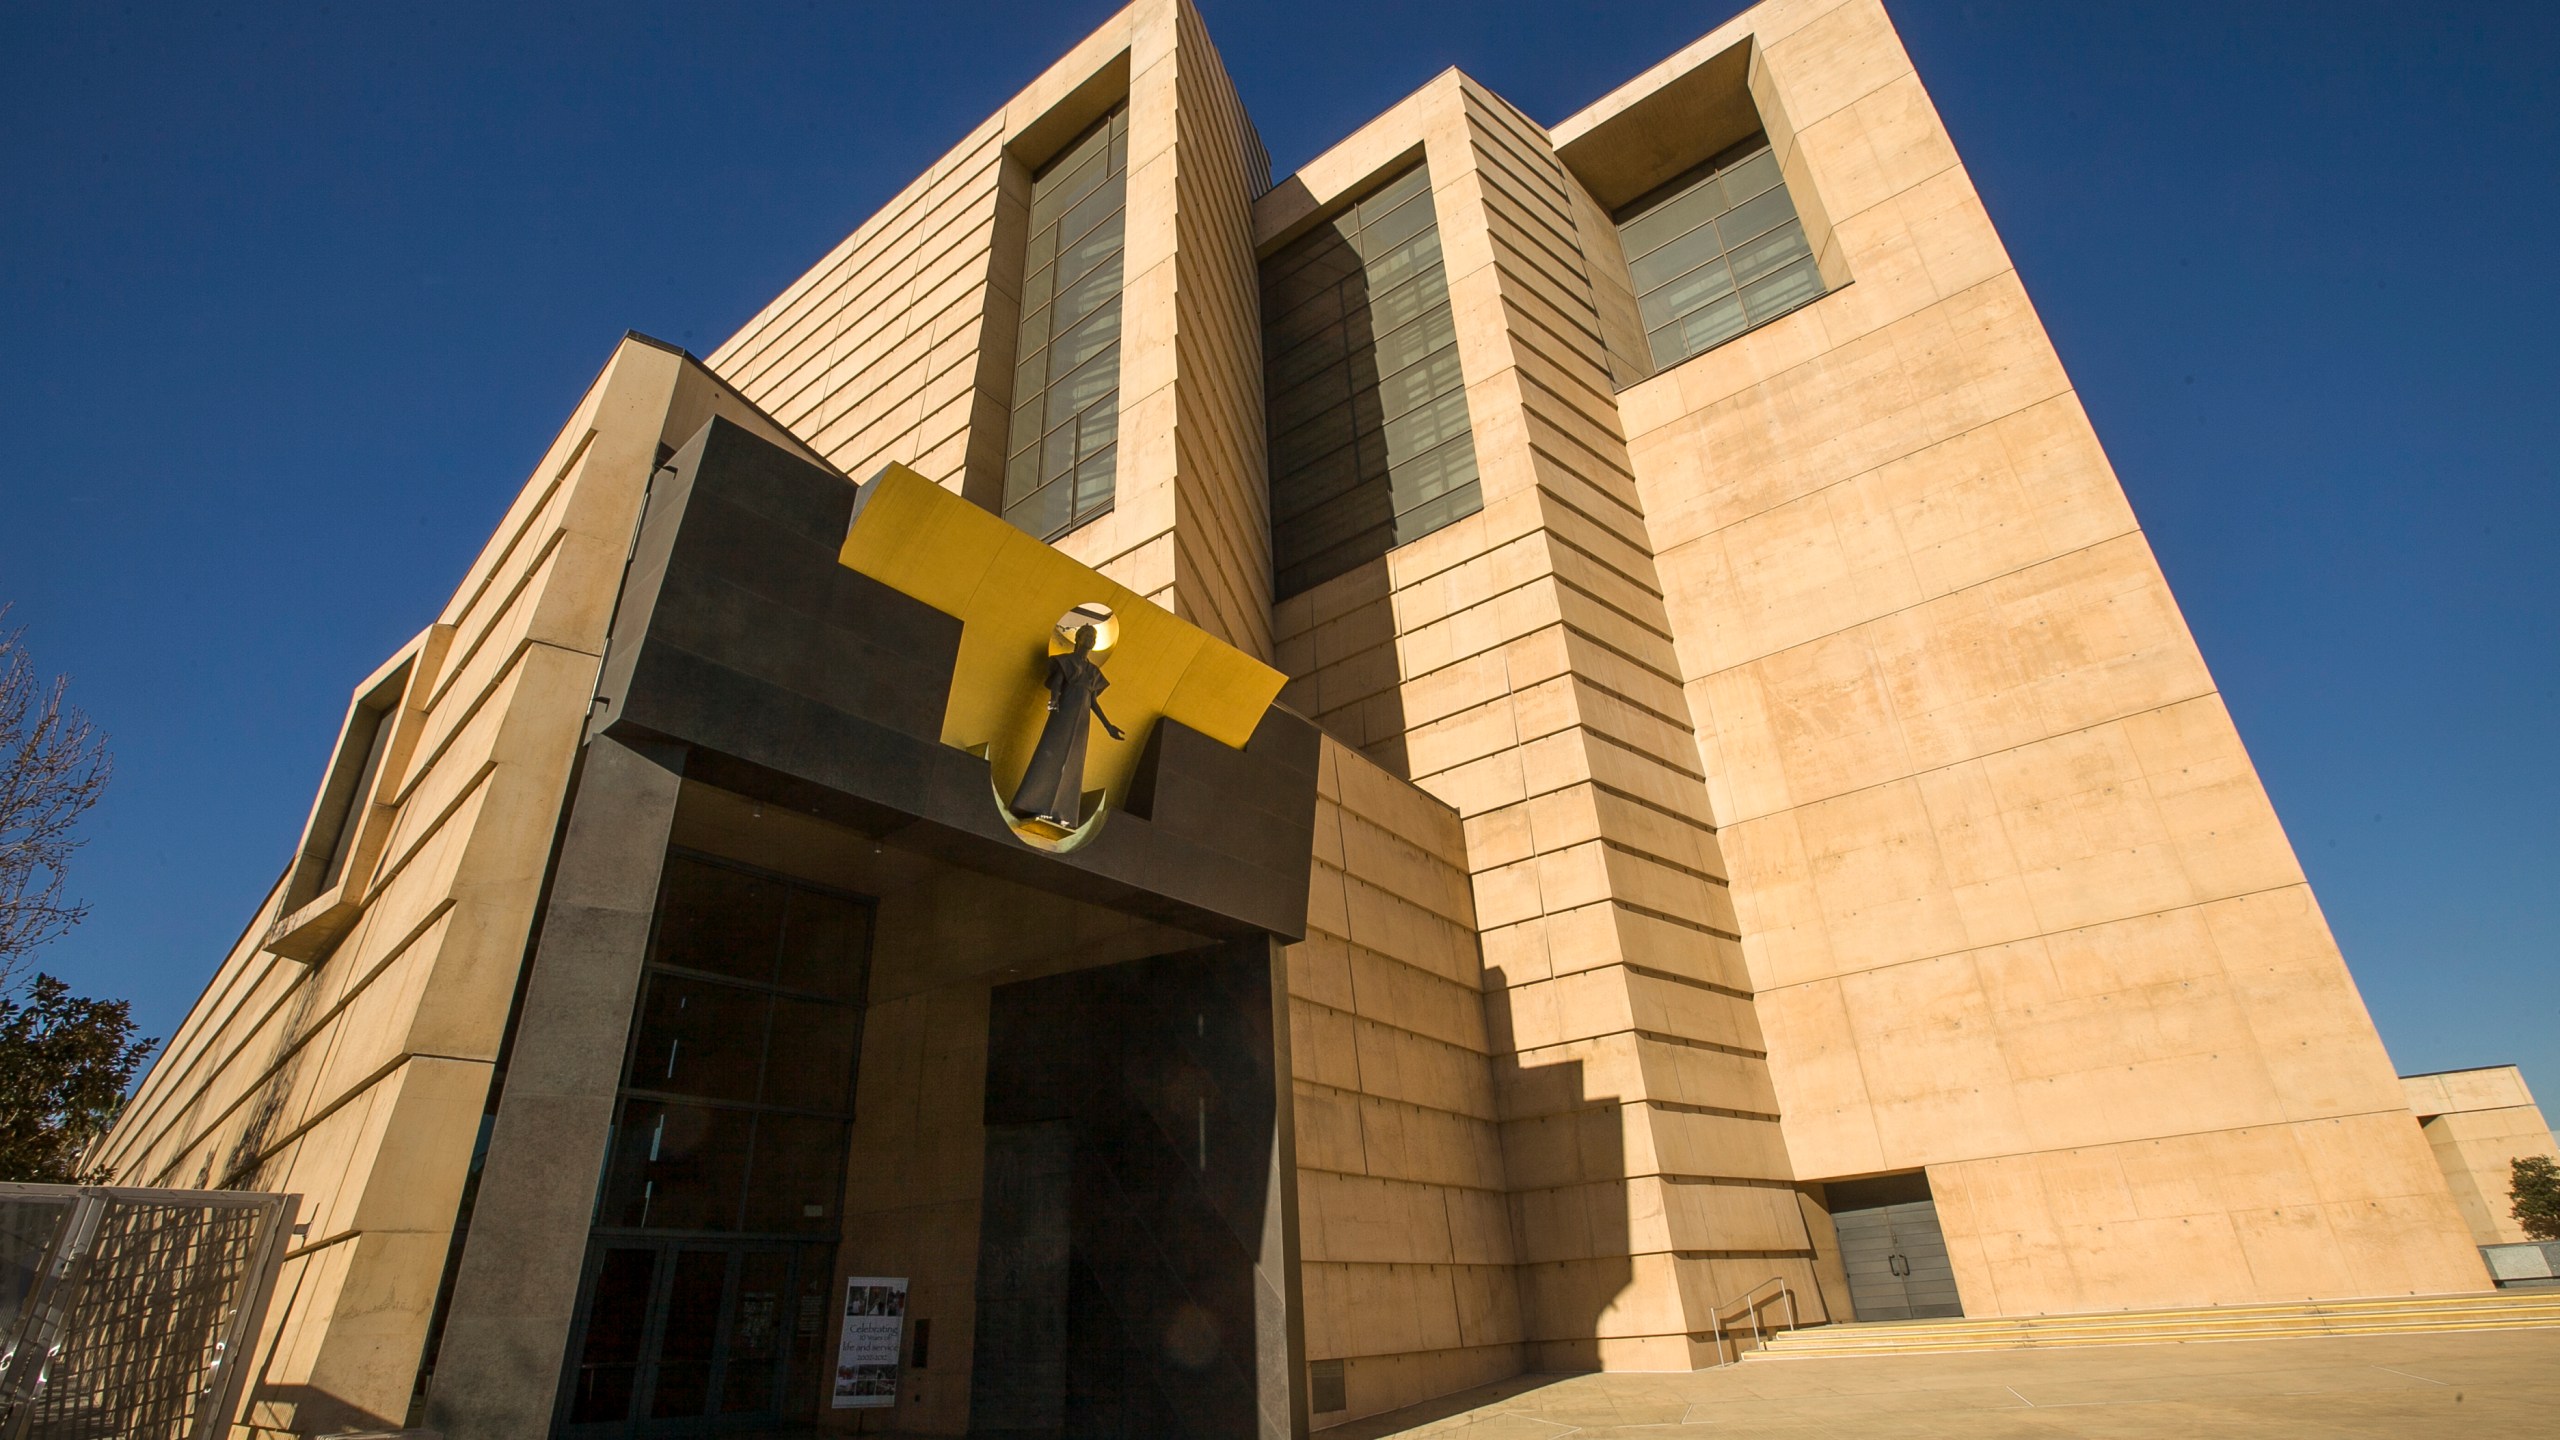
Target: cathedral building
(1166, 800)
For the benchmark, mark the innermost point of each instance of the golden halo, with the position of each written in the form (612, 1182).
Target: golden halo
(1106, 630)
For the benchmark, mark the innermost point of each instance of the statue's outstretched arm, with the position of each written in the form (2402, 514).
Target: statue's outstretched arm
(1108, 727)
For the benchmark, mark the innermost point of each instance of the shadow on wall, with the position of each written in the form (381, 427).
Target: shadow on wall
(1365, 402)
(1564, 1153)
(1342, 667)
(310, 1410)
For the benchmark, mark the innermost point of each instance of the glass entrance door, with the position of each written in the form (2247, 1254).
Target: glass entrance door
(703, 1308)
(685, 1337)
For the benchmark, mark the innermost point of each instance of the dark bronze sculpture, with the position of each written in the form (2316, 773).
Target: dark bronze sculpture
(1052, 788)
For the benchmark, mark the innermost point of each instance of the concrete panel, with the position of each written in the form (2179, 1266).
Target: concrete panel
(2479, 1123)
(2014, 903)
(498, 1372)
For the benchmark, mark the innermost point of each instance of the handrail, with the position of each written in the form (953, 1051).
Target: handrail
(1715, 1317)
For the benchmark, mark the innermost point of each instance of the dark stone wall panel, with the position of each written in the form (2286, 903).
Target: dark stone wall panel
(499, 1370)
(1157, 1079)
(739, 634)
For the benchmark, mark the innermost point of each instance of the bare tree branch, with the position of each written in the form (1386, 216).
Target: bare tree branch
(53, 766)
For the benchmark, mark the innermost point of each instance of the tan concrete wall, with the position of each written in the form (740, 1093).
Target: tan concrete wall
(912, 1204)
(876, 354)
(1337, 645)
(2478, 1123)
(1831, 785)
(1519, 666)
(358, 1082)
(1405, 1240)
(873, 355)
(1203, 390)
(2014, 904)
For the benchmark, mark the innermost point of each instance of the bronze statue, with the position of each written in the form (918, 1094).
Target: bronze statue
(1052, 788)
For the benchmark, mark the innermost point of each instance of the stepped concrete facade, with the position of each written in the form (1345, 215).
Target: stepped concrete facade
(2479, 1123)
(1648, 752)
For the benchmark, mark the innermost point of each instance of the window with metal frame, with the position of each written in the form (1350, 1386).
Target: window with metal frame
(1062, 445)
(721, 1202)
(750, 1021)
(1367, 410)
(1717, 252)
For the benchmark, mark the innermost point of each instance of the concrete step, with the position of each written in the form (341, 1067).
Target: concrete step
(2172, 1323)
(2395, 1315)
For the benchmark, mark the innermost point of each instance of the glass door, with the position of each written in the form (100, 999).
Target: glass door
(621, 1289)
(703, 1307)
(685, 1337)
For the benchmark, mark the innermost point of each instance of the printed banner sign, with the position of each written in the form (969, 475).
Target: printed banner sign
(875, 1319)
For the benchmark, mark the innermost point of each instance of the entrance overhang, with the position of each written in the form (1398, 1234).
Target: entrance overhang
(744, 635)
(791, 641)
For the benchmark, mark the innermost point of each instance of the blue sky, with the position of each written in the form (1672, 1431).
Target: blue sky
(293, 295)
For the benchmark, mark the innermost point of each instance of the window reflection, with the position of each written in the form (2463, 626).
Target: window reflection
(718, 918)
(825, 944)
(755, 1333)
(689, 1334)
(796, 1185)
(1370, 445)
(811, 1055)
(738, 1087)
(1062, 445)
(677, 1167)
(609, 1358)
(699, 1037)
(1716, 252)
(723, 1190)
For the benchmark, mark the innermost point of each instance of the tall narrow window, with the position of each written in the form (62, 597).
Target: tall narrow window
(1368, 413)
(1716, 252)
(1066, 379)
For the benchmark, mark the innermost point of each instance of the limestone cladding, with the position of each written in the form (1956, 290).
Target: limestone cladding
(358, 1081)
(2014, 905)
(898, 345)
(912, 1205)
(2479, 1123)
(1406, 1251)
(1816, 778)
(1519, 666)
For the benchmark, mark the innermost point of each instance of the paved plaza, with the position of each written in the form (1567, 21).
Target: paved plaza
(2481, 1384)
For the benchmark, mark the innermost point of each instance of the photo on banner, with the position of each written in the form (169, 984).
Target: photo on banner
(875, 1317)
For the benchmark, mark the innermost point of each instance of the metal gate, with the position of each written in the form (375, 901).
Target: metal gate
(131, 1313)
(1897, 1262)
(1892, 1248)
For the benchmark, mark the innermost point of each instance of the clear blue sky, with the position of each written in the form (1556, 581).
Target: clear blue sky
(293, 295)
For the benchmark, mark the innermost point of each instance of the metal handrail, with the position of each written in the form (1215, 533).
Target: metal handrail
(1715, 1317)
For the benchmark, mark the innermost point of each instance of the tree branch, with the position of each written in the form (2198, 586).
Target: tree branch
(53, 767)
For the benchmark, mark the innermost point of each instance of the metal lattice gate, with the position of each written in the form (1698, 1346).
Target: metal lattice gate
(131, 1313)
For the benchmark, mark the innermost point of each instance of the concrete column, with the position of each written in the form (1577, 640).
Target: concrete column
(498, 1373)
(1279, 1301)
